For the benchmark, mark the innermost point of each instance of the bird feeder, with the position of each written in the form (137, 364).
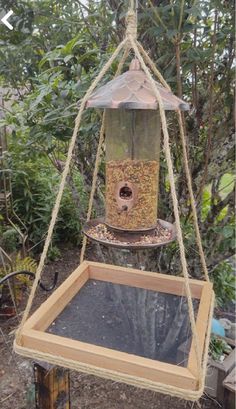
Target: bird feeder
(133, 135)
(106, 320)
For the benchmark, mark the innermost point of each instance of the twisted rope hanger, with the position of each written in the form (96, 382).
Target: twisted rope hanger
(130, 42)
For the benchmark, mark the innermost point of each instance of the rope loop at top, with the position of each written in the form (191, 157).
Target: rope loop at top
(131, 24)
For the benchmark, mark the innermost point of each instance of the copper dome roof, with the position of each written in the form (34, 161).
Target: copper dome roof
(132, 90)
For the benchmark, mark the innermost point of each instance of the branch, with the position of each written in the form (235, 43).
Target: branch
(83, 5)
(157, 15)
(86, 24)
(178, 64)
(209, 138)
(181, 14)
(194, 80)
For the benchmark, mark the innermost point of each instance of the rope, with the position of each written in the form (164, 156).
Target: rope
(98, 157)
(94, 183)
(175, 204)
(131, 5)
(131, 22)
(108, 374)
(192, 200)
(63, 182)
(152, 66)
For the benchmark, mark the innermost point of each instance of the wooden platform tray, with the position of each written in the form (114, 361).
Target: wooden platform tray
(109, 363)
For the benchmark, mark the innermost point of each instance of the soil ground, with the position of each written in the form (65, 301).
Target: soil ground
(87, 392)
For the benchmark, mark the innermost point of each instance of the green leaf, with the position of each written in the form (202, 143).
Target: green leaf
(68, 58)
(228, 231)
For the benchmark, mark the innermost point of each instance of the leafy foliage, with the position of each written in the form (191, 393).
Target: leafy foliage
(218, 347)
(35, 184)
(19, 264)
(224, 283)
(26, 263)
(9, 240)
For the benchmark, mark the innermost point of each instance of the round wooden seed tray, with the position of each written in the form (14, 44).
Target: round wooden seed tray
(163, 234)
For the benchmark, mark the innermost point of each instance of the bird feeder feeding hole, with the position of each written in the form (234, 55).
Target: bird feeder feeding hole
(126, 192)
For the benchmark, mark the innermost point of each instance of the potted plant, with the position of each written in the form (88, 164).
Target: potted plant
(220, 363)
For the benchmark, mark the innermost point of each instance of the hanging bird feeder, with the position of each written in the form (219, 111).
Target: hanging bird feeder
(133, 134)
(103, 319)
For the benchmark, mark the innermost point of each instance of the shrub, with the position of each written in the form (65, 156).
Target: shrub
(9, 240)
(224, 283)
(35, 185)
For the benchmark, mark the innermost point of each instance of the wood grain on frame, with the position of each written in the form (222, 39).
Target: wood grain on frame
(143, 279)
(56, 303)
(202, 323)
(109, 359)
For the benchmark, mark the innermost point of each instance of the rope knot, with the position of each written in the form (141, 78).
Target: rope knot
(131, 24)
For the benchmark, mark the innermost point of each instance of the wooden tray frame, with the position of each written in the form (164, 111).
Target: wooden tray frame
(107, 362)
